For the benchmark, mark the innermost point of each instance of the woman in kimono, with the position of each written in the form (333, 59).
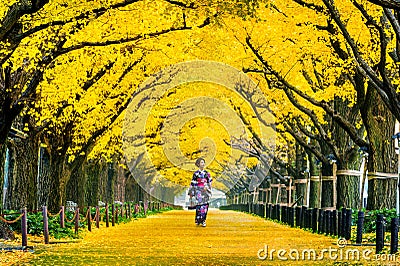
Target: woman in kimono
(200, 192)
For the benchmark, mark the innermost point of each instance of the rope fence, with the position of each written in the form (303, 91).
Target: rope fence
(118, 211)
(13, 221)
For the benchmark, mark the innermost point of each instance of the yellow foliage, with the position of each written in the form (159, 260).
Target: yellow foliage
(285, 33)
(203, 132)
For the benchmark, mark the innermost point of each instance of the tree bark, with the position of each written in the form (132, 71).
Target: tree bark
(347, 186)
(23, 187)
(44, 178)
(348, 191)
(314, 194)
(110, 182)
(93, 179)
(3, 153)
(301, 166)
(327, 187)
(76, 187)
(59, 173)
(379, 123)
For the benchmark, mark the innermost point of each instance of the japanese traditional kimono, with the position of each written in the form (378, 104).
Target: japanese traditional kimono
(200, 194)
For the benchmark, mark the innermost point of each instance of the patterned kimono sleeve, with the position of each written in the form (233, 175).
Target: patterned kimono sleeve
(192, 188)
(208, 187)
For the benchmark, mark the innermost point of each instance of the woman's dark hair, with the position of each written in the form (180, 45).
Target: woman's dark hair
(197, 163)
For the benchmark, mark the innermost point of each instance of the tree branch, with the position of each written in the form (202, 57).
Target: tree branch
(393, 4)
(349, 128)
(16, 11)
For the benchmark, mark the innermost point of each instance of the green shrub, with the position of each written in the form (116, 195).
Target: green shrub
(371, 216)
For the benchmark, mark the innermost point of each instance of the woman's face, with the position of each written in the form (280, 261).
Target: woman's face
(202, 164)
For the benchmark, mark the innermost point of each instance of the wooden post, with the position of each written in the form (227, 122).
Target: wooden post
(363, 180)
(113, 214)
(339, 224)
(303, 217)
(335, 222)
(89, 219)
(327, 216)
(314, 222)
(334, 170)
(129, 210)
(278, 193)
(380, 233)
(291, 216)
(62, 217)
(107, 216)
(45, 225)
(344, 224)
(24, 227)
(348, 224)
(320, 188)
(97, 217)
(116, 213)
(360, 226)
(290, 191)
(308, 187)
(320, 221)
(270, 195)
(394, 235)
(76, 220)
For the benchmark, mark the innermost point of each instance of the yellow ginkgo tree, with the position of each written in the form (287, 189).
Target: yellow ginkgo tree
(70, 68)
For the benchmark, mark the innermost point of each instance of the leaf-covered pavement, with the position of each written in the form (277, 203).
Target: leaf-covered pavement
(172, 238)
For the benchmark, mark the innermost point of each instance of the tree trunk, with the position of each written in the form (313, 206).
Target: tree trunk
(23, 185)
(314, 183)
(120, 183)
(3, 154)
(380, 123)
(92, 191)
(103, 180)
(348, 196)
(59, 173)
(327, 181)
(111, 173)
(347, 186)
(301, 166)
(10, 179)
(133, 192)
(314, 192)
(44, 178)
(327, 187)
(76, 186)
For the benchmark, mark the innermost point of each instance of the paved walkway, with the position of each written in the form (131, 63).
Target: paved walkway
(172, 238)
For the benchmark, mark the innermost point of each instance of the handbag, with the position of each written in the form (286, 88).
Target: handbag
(192, 204)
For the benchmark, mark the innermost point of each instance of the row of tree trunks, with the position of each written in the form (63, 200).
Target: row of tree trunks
(99, 180)
(33, 179)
